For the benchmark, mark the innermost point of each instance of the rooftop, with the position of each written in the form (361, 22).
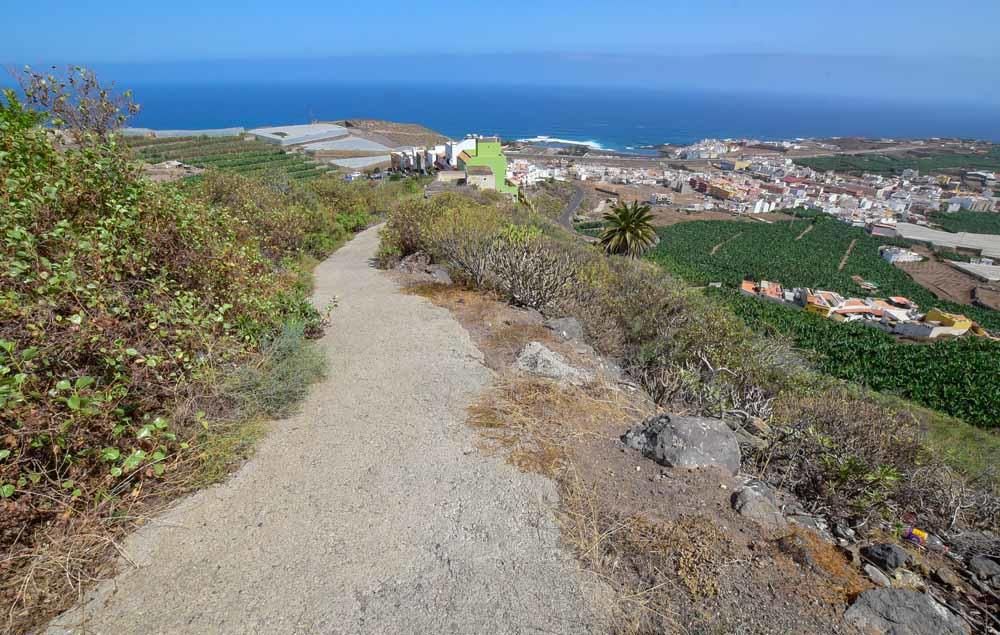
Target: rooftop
(292, 135)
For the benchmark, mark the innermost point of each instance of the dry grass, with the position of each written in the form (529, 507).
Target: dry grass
(46, 573)
(844, 582)
(537, 420)
(648, 564)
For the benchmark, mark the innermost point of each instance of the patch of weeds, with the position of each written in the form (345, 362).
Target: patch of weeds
(223, 448)
(280, 379)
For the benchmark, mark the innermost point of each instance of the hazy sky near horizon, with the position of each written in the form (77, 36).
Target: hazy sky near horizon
(88, 31)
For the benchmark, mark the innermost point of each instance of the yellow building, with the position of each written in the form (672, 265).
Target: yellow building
(955, 321)
(720, 191)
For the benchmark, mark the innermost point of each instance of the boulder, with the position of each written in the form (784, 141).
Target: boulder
(984, 567)
(414, 263)
(903, 612)
(886, 556)
(568, 328)
(751, 503)
(876, 576)
(439, 274)
(536, 359)
(677, 441)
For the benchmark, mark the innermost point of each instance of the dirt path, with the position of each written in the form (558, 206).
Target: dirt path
(847, 254)
(370, 512)
(805, 231)
(716, 249)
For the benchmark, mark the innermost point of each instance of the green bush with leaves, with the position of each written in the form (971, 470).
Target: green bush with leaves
(122, 298)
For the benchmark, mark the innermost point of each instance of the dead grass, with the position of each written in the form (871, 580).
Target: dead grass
(808, 549)
(647, 563)
(44, 574)
(537, 420)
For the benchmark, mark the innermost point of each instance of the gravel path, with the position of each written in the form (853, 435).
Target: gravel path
(370, 512)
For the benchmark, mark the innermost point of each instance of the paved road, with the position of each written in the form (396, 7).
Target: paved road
(566, 218)
(370, 512)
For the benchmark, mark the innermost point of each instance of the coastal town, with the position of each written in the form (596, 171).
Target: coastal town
(713, 179)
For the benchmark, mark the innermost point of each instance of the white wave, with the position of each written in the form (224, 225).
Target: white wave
(546, 139)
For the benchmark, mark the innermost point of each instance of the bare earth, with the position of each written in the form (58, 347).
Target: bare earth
(370, 512)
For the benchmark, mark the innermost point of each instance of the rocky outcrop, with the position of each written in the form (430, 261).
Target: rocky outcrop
(677, 441)
(535, 358)
(903, 612)
(754, 501)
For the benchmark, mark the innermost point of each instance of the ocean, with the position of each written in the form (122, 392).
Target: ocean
(620, 119)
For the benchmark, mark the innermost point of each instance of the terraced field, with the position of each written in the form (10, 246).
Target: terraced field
(233, 154)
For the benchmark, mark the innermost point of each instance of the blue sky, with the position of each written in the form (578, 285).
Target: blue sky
(917, 50)
(176, 30)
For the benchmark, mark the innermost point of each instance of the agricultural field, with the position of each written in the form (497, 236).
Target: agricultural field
(782, 253)
(957, 377)
(974, 222)
(925, 162)
(231, 154)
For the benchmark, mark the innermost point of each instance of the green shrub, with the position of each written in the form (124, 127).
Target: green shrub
(121, 297)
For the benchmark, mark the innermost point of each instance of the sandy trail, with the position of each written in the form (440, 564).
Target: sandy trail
(369, 512)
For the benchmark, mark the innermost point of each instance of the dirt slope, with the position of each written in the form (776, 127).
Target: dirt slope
(369, 512)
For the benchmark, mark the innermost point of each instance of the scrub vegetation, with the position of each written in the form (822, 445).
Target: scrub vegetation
(691, 352)
(146, 330)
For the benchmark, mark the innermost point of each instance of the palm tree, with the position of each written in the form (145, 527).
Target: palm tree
(628, 229)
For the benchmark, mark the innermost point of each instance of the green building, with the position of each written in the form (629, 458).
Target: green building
(489, 154)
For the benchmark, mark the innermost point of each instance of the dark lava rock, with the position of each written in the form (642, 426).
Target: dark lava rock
(677, 441)
(903, 612)
(887, 556)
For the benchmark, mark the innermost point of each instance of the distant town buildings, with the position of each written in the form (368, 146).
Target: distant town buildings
(486, 158)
